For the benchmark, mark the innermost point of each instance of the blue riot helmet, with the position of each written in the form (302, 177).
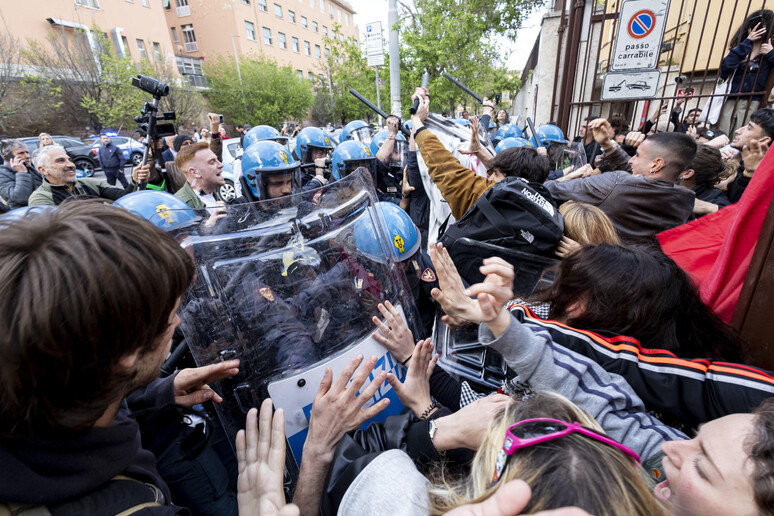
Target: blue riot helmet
(462, 121)
(18, 213)
(161, 208)
(350, 156)
(508, 143)
(263, 132)
(402, 234)
(309, 140)
(269, 171)
(356, 130)
(398, 158)
(508, 131)
(547, 134)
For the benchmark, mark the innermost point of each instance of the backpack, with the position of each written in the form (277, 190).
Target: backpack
(513, 214)
(120, 496)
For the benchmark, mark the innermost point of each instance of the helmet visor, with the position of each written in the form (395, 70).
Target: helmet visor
(362, 135)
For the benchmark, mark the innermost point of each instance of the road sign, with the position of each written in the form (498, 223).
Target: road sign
(374, 44)
(641, 26)
(639, 84)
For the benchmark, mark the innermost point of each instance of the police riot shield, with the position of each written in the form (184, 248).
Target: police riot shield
(566, 156)
(460, 353)
(282, 285)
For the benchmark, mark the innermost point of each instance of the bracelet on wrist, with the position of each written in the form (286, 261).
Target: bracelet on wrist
(429, 409)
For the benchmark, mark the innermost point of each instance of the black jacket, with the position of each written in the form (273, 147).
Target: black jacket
(45, 471)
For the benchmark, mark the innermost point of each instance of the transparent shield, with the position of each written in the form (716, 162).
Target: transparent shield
(362, 135)
(567, 156)
(281, 286)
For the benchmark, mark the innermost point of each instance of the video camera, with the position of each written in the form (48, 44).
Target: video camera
(147, 122)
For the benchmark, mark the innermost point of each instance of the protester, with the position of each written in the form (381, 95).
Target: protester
(66, 433)
(584, 224)
(60, 182)
(203, 172)
(752, 141)
(648, 200)
(703, 176)
(18, 176)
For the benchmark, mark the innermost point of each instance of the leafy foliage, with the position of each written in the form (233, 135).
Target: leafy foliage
(269, 94)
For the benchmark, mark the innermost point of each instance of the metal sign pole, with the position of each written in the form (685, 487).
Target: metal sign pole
(378, 97)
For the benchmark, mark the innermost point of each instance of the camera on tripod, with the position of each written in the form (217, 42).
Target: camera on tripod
(160, 130)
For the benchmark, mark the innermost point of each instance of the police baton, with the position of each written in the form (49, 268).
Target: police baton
(415, 105)
(532, 130)
(378, 111)
(463, 88)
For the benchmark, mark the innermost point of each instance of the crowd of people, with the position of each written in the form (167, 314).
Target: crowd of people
(625, 393)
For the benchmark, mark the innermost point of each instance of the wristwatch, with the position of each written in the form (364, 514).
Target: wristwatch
(432, 429)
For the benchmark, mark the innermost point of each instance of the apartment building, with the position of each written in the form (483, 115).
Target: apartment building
(136, 28)
(287, 31)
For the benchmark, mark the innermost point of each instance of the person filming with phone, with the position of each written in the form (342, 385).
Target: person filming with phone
(18, 176)
(747, 65)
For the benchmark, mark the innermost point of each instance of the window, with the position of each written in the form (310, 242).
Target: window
(338, 12)
(307, 48)
(126, 51)
(311, 3)
(145, 3)
(94, 4)
(283, 44)
(330, 8)
(262, 5)
(322, 6)
(315, 27)
(141, 48)
(291, 17)
(189, 37)
(182, 8)
(278, 10)
(346, 18)
(157, 51)
(300, 75)
(267, 36)
(320, 76)
(341, 37)
(246, 2)
(317, 51)
(174, 35)
(304, 22)
(191, 70)
(250, 30)
(295, 45)
(327, 53)
(325, 30)
(311, 76)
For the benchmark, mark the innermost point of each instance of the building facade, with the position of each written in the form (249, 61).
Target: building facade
(136, 28)
(290, 32)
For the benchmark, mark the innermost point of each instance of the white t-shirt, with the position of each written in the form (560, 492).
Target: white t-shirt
(208, 199)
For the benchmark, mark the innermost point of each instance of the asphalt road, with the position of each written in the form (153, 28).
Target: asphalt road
(99, 174)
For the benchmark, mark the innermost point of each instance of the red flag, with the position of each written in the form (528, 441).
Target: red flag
(716, 250)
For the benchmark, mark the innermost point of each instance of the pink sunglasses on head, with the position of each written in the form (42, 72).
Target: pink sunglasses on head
(539, 430)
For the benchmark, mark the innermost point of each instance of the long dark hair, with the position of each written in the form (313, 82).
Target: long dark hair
(763, 16)
(638, 292)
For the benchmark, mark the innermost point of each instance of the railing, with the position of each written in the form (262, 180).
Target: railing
(184, 10)
(191, 46)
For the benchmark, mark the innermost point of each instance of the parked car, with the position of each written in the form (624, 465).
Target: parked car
(231, 190)
(131, 148)
(639, 85)
(77, 150)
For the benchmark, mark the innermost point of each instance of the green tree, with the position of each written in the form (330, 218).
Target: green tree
(269, 94)
(348, 67)
(458, 37)
(94, 85)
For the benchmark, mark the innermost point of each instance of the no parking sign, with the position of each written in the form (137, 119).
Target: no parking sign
(640, 32)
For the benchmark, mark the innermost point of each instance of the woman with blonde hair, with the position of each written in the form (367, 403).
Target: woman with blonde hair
(584, 224)
(45, 139)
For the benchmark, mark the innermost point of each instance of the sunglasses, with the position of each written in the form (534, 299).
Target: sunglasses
(539, 430)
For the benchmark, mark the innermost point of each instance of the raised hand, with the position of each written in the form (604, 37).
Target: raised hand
(414, 391)
(261, 463)
(190, 385)
(753, 154)
(393, 333)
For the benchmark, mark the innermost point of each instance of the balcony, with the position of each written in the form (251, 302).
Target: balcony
(191, 46)
(184, 10)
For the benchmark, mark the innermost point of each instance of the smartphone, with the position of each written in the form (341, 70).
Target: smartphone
(497, 98)
(688, 92)
(220, 118)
